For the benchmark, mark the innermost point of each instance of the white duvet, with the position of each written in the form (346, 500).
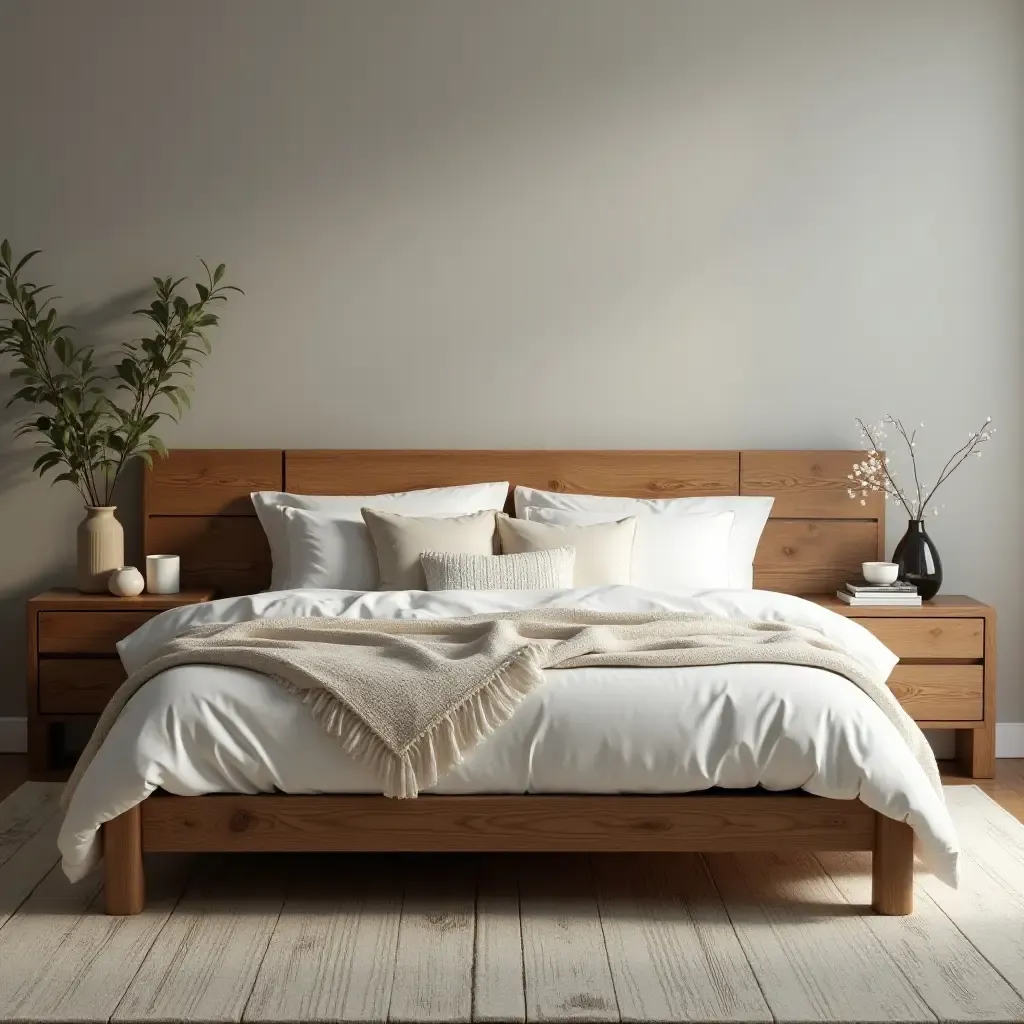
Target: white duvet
(207, 729)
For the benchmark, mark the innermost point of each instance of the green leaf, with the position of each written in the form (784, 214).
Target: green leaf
(70, 477)
(47, 461)
(219, 272)
(204, 292)
(5, 252)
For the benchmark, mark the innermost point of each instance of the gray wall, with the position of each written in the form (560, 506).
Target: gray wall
(542, 223)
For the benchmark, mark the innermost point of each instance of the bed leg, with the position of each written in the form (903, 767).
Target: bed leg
(124, 882)
(892, 867)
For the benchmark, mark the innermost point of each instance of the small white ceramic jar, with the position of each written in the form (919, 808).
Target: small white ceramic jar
(163, 573)
(126, 582)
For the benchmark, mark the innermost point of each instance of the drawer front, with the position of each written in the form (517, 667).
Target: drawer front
(86, 632)
(940, 693)
(78, 686)
(939, 639)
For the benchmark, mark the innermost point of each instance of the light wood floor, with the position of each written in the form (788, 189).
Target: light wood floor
(534, 939)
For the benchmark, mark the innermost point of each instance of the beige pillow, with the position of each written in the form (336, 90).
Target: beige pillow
(604, 551)
(400, 540)
(531, 570)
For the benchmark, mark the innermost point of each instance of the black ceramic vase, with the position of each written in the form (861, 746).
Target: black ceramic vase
(919, 560)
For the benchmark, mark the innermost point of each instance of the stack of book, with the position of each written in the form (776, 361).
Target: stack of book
(862, 594)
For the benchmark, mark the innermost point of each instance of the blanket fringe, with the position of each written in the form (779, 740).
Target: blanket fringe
(443, 744)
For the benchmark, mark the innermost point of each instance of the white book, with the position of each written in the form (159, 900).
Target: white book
(888, 600)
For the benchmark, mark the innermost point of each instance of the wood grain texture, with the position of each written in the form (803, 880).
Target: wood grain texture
(64, 599)
(204, 963)
(87, 632)
(813, 955)
(976, 749)
(807, 484)
(565, 963)
(813, 556)
(939, 692)
(634, 474)
(988, 905)
(24, 813)
(229, 553)
(951, 606)
(124, 878)
(892, 867)
(73, 686)
(498, 951)
(27, 866)
(506, 823)
(956, 981)
(434, 959)
(90, 959)
(672, 950)
(211, 481)
(937, 639)
(332, 955)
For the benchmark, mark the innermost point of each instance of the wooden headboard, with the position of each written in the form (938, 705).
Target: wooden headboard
(196, 502)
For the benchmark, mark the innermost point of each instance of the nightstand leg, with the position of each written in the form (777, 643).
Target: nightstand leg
(976, 752)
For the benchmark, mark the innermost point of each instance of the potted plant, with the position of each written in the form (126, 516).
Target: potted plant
(915, 554)
(93, 420)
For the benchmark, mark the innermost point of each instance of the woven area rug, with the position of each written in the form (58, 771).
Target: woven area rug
(343, 937)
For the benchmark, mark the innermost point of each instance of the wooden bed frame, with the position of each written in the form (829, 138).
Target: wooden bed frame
(196, 503)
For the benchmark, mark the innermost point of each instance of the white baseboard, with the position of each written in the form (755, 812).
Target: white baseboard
(13, 736)
(1009, 739)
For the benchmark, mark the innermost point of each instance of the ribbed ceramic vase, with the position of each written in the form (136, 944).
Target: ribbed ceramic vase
(100, 548)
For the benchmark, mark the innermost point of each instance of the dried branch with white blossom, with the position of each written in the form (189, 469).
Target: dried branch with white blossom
(874, 475)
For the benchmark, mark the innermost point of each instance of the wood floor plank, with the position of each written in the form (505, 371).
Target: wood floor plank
(498, 962)
(672, 950)
(80, 965)
(952, 977)
(988, 907)
(24, 812)
(332, 956)
(813, 954)
(27, 867)
(204, 962)
(434, 960)
(565, 962)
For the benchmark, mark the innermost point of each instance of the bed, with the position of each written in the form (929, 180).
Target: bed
(760, 788)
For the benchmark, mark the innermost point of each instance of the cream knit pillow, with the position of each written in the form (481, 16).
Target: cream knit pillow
(400, 540)
(532, 570)
(604, 551)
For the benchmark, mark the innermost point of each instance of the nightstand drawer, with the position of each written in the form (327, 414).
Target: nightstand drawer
(940, 693)
(87, 632)
(78, 686)
(938, 639)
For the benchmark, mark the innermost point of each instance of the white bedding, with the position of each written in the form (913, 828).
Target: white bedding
(203, 729)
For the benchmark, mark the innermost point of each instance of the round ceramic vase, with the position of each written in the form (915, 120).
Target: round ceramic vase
(126, 582)
(100, 548)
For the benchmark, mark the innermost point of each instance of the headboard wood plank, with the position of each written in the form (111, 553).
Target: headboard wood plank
(212, 481)
(227, 552)
(196, 502)
(807, 484)
(807, 556)
(634, 474)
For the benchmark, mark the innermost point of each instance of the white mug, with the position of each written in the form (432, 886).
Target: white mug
(163, 574)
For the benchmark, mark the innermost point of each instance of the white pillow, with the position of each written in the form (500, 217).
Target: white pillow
(531, 570)
(751, 513)
(603, 551)
(331, 547)
(670, 553)
(400, 540)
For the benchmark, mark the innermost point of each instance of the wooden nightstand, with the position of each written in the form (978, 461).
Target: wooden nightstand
(73, 667)
(946, 678)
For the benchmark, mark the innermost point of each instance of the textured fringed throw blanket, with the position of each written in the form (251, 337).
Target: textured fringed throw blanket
(412, 697)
